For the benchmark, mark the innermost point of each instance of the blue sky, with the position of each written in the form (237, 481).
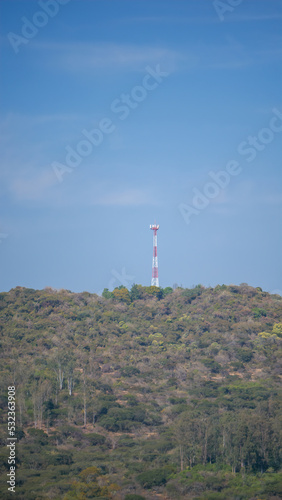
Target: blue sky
(173, 90)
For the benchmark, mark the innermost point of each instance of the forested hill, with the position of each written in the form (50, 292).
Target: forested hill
(148, 393)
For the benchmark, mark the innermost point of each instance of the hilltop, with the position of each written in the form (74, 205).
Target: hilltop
(144, 393)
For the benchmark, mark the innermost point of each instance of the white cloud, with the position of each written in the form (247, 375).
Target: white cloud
(32, 186)
(242, 195)
(40, 185)
(211, 19)
(253, 17)
(17, 123)
(96, 56)
(112, 57)
(126, 197)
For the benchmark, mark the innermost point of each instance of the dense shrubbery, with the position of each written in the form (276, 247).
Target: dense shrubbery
(144, 392)
(132, 496)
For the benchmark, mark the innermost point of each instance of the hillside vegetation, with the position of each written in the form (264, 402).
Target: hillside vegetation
(148, 393)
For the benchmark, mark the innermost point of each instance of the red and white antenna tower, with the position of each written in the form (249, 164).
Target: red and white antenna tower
(155, 268)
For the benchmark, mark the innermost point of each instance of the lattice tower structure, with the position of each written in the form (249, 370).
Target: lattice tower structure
(155, 267)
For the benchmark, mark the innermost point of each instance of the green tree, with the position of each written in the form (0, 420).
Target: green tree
(137, 292)
(277, 329)
(121, 294)
(91, 484)
(107, 294)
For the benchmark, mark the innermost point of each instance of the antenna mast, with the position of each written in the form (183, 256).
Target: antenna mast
(155, 268)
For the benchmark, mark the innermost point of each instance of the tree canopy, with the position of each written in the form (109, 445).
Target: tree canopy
(143, 392)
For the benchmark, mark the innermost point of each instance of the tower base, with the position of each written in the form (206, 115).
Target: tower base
(155, 282)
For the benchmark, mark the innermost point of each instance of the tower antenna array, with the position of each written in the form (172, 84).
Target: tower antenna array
(155, 269)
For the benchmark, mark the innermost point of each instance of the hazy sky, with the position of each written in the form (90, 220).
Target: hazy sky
(113, 115)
